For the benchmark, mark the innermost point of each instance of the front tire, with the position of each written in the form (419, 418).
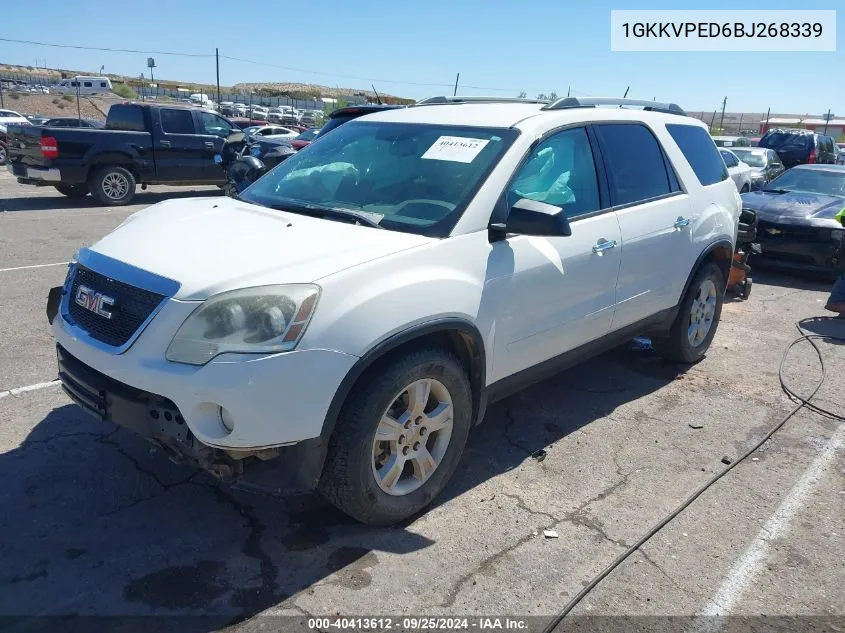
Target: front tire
(4, 153)
(73, 191)
(399, 437)
(695, 326)
(112, 186)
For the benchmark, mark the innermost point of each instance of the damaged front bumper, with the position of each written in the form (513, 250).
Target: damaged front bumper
(287, 469)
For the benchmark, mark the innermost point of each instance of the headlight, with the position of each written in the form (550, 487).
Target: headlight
(264, 319)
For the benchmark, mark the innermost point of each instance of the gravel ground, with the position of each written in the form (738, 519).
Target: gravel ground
(95, 523)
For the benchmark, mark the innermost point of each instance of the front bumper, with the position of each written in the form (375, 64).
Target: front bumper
(274, 399)
(289, 469)
(781, 250)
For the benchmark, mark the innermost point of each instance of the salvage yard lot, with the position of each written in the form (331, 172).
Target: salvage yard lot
(93, 522)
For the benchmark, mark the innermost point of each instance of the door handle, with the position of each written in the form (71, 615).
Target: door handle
(604, 245)
(209, 144)
(164, 143)
(681, 222)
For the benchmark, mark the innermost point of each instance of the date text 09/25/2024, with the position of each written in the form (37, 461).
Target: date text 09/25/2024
(410, 623)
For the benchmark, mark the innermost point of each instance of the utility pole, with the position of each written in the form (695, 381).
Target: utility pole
(1, 94)
(739, 128)
(826, 121)
(454, 94)
(78, 107)
(712, 120)
(217, 63)
(626, 92)
(567, 90)
(768, 112)
(722, 120)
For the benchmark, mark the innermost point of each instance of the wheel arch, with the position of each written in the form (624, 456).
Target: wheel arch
(113, 159)
(721, 253)
(457, 335)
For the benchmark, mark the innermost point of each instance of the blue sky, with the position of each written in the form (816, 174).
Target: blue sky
(498, 47)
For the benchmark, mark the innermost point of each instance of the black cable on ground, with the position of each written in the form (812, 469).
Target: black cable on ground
(802, 403)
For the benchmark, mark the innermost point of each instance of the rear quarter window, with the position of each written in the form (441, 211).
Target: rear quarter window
(698, 148)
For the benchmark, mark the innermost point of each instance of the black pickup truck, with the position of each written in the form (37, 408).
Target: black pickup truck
(141, 144)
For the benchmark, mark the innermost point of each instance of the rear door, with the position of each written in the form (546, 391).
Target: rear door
(179, 150)
(655, 216)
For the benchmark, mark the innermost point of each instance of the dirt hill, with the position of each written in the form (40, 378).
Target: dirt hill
(57, 105)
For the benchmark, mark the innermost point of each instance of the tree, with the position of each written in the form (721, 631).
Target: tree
(542, 96)
(522, 95)
(553, 96)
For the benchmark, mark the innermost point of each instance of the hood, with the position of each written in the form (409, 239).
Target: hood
(211, 245)
(794, 207)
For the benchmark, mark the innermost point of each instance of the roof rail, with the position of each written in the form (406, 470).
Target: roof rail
(441, 100)
(654, 106)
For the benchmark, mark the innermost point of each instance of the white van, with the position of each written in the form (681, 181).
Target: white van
(199, 98)
(84, 85)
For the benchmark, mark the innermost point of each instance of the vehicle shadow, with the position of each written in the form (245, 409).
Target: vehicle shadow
(58, 201)
(799, 280)
(95, 523)
(831, 327)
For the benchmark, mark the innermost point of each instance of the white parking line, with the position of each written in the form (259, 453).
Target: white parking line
(35, 387)
(748, 565)
(6, 270)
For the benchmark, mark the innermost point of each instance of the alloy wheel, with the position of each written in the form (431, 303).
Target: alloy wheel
(115, 185)
(412, 437)
(702, 311)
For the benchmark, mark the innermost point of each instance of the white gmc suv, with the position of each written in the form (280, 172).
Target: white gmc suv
(351, 316)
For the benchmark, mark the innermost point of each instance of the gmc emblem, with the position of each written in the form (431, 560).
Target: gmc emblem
(94, 301)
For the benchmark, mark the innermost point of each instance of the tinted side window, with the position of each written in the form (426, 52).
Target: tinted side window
(102, 84)
(635, 164)
(125, 117)
(560, 171)
(698, 148)
(177, 121)
(729, 159)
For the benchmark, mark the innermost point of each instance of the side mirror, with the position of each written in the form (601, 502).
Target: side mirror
(529, 217)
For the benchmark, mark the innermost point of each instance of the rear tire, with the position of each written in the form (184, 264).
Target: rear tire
(112, 186)
(695, 326)
(73, 191)
(4, 153)
(385, 479)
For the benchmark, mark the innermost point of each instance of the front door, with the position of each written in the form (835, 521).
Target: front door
(554, 293)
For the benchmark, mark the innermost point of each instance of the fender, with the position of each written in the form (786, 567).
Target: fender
(311, 454)
(718, 243)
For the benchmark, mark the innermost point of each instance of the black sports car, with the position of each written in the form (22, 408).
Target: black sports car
(796, 213)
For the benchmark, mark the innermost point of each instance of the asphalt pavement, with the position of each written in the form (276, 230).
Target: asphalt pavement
(94, 522)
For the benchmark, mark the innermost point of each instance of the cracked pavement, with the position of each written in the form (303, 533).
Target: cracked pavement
(93, 521)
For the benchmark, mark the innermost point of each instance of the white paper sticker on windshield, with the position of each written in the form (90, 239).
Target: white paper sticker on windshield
(458, 149)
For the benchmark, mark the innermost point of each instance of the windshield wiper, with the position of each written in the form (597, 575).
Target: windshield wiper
(318, 211)
(776, 190)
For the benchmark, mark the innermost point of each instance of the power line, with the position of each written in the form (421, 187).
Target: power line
(270, 65)
(110, 50)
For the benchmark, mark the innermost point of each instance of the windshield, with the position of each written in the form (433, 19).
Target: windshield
(755, 159)
(828, 183)
(418, 177)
